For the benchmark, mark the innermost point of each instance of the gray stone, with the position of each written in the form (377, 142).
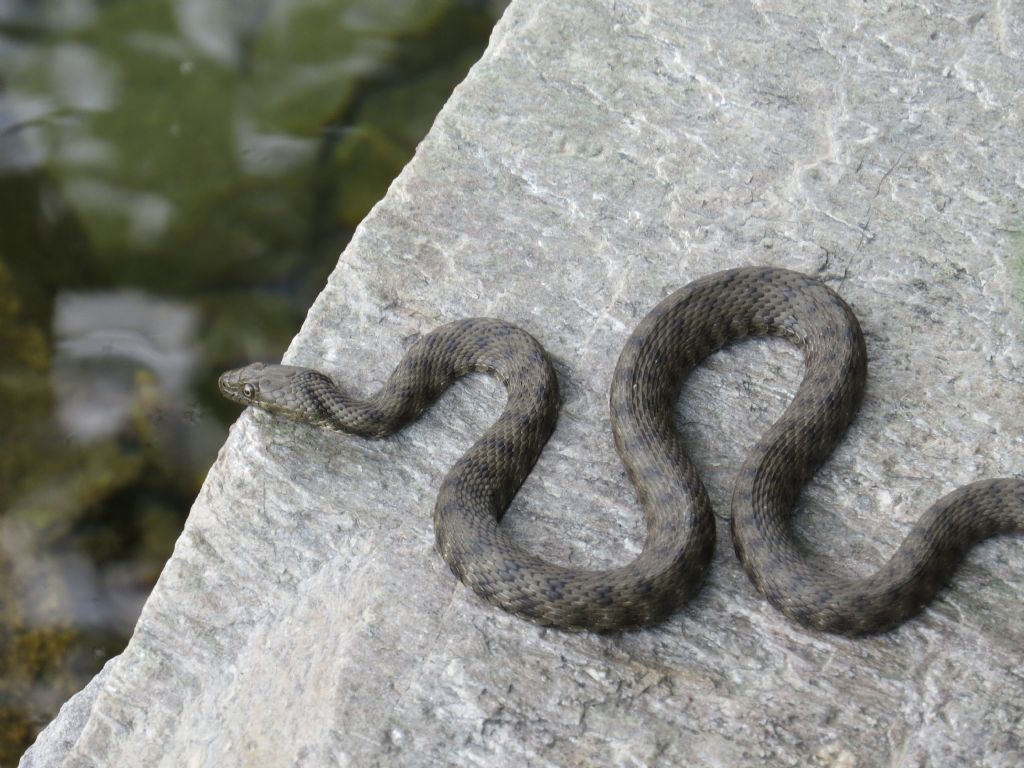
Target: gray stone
(600, 155)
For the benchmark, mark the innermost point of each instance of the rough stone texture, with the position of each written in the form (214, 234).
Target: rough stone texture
(601, 154)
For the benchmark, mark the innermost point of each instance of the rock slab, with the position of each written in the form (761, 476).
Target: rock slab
(601, 154)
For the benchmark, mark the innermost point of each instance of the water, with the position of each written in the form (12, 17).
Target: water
(177, 179)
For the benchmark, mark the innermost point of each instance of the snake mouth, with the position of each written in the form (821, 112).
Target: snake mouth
(229, 385)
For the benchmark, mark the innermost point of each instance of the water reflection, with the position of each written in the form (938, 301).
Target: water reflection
(176, 181)
(104, 341)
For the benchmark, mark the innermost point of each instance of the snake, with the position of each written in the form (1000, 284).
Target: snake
(666, 346)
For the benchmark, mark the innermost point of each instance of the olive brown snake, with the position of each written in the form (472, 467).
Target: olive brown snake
(666, 346)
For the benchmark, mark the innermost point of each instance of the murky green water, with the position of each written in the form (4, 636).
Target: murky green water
(177, 178)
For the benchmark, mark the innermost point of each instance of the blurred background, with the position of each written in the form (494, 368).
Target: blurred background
(177, 179)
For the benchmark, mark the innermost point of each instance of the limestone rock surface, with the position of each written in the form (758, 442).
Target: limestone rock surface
(601, 154)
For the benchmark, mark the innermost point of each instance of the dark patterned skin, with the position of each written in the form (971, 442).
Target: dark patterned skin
(675, 337)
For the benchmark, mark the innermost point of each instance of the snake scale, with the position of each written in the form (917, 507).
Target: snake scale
(666, 346)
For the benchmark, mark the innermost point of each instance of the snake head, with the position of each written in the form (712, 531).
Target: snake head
(285, 389)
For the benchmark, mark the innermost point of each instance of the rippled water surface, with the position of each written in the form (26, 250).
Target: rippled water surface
(177, 178)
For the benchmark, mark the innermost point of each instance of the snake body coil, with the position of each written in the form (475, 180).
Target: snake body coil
(675, 337)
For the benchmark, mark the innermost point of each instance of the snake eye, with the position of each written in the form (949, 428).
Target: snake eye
(249, 391)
